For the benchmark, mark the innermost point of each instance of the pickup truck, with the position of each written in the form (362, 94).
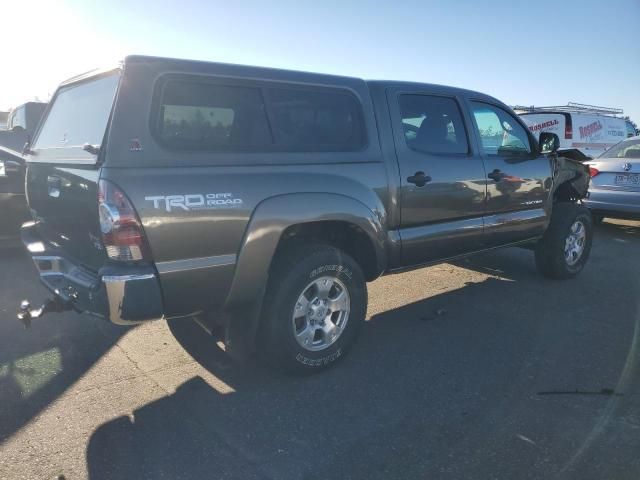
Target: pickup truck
(21, 124)
(263, 201)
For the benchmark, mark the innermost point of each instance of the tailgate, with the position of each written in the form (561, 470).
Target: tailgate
(63, 172)
(64, 203)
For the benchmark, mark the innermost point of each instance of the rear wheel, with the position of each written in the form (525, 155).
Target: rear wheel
(314, 308)
(565, 247)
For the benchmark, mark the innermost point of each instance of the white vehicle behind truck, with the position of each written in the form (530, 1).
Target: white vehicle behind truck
(587, 128)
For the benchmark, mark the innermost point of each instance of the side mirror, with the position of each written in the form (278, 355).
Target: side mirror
(549, 142)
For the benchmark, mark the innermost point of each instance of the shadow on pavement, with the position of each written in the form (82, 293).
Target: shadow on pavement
(615, 227)
(422, 395)
(38, 365)
(519, 264)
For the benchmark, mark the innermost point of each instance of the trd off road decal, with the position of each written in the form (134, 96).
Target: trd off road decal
(194, 201)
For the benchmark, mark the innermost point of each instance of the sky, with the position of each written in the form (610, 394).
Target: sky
(525, 53)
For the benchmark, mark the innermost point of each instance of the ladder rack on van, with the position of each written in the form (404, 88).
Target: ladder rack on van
(571, 107)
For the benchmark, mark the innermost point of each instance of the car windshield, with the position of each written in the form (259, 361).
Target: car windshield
(625, 149)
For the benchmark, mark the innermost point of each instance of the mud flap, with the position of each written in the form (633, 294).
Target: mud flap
(240, 331)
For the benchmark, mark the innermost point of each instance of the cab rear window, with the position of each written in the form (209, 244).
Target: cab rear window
(79, 114)
(197, 115)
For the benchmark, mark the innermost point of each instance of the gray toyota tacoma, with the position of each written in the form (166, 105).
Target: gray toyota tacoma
(263, 201)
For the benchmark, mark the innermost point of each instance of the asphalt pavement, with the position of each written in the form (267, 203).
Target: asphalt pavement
(480, 369)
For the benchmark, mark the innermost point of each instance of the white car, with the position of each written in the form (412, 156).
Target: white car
(614, 190)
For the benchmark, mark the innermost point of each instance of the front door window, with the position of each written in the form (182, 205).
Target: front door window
(500, 133)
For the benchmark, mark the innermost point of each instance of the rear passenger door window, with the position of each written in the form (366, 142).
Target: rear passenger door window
(316, 120)
(433, 124)
(204, 116)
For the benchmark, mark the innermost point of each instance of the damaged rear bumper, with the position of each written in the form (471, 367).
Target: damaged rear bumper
(124, 294)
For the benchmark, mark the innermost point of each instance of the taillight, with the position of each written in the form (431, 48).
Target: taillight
(568, 132)
(593, 171)
(122, 233)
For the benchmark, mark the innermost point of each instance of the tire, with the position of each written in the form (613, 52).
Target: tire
(557, 255)
(307, 337)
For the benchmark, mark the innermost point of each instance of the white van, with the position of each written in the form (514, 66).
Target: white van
(592, 130)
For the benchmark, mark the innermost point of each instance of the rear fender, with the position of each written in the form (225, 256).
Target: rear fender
(268, 222)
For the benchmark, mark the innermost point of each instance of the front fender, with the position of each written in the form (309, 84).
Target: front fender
(573, 172)
(274, 215)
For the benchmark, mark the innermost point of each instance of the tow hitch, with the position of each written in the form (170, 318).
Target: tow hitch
(51, 305)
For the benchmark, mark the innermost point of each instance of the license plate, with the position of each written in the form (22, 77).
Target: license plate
(628, 179)
(2, 170)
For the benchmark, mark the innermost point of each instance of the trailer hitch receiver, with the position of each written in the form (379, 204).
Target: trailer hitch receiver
(52, 305)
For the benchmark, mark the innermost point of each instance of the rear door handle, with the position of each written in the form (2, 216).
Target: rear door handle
(53, 186)
(419, 179)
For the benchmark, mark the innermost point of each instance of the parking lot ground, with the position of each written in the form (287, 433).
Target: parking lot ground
(478, 369)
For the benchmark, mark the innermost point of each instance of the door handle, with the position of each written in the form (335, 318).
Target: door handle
(53, 186)
(419, 179)
(496, 175)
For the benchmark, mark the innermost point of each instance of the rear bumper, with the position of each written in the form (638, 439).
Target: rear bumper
(623, 202)
(124, 294)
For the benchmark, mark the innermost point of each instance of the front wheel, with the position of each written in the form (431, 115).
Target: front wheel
(564, 249)
(315, 306)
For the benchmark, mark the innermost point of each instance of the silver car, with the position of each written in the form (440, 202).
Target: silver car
(614, 190)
